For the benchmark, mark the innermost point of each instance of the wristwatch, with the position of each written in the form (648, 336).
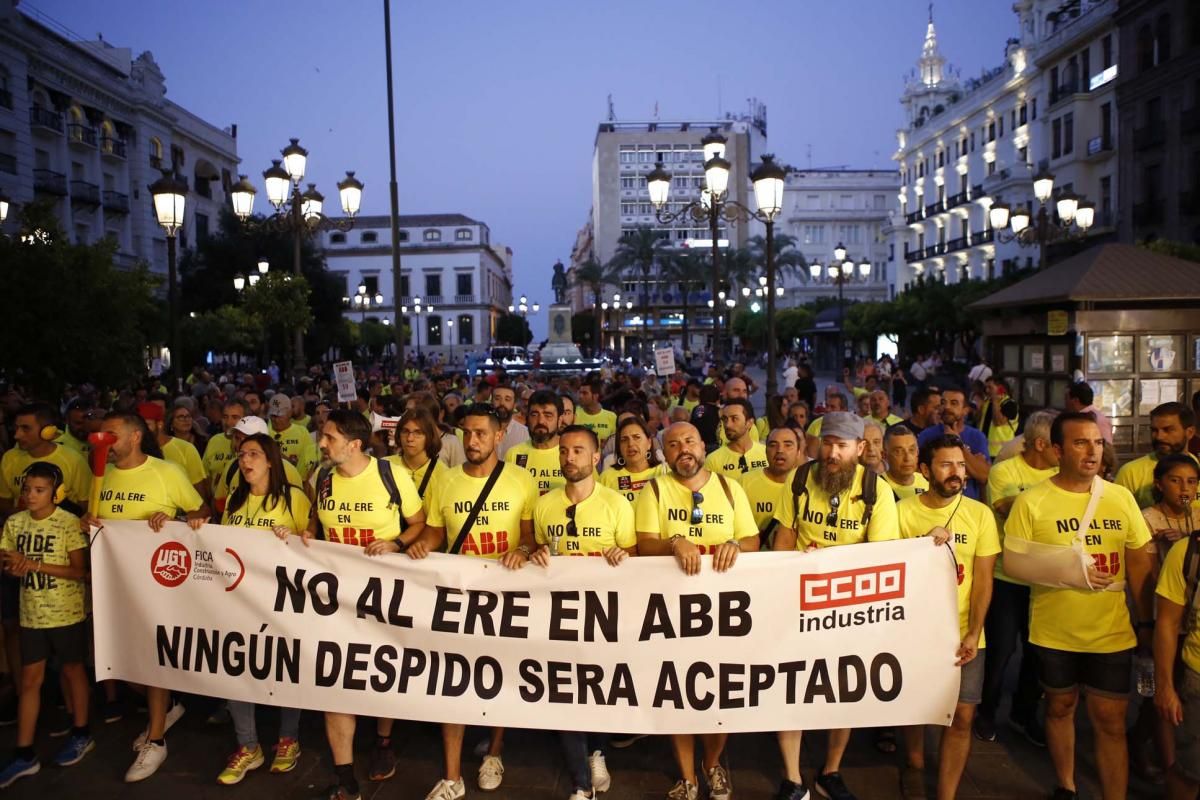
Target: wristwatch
(524, 549)
(401, 545)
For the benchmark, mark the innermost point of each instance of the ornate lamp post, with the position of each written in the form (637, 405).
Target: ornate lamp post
(450, 334)
(170, 200)
(1075, 217)
(416, 310)
(841, 272)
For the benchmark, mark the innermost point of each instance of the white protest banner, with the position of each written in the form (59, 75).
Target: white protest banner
(343, 374)
(843, 637)
(664, 361)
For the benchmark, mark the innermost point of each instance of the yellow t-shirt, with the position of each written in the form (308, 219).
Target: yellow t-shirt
(46, 601)
(1008, 478)
(603, 520)
(669, 512)
(603, 423)
(1172, 586)
(67, 439)
(630, 484)
(298, 447)
(218, 455)
(184, 455)
(145, 490)
(418, 475)
(1080, 620)
(725, 461)
(497, 529)
(758, 431)
(690, 405)
(902, 492)
(222, 488)
(252, 513)
(76, 473)
(974, 528)
(1138, 477)
(814, 428)
(359, 510)
(811, 525)
(542, 464)
(888, 421)
(766, 495)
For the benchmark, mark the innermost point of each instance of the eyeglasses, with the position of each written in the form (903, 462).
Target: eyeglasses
(571, 529)
(697, 512)
(834, 503)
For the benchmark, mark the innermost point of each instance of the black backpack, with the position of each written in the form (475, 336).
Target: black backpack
(870, 489)
(325, 488)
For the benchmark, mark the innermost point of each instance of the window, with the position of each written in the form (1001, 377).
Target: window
(1056, 138)
(372, 284)
(879, 202)
(1023, 113)
(1106, 51)
(404, 236)
(201, 227)
(991, 131)
(814, 234)
(433, 326)
(368, 237)
(627, 154)
(337, 238)
(1162, 40)
(1033, 109)
(433, 284)
(991, 167)
(463, 283)
(466, 329)
(1105, 200)
(404, 286)
(630, 183)
(1106, 126)
(463, 235)
(1085, 67)
(156, 152)
(433, 235)
(1145, 48)
(1023, 155)
(1000, 124)
(1068, 133)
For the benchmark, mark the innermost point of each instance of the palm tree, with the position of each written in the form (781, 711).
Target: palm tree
(787, 257)
(690, 270)
(641, 248)
(594, 276)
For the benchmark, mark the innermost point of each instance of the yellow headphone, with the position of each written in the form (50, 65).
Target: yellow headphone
(50, 432)
(56, 476)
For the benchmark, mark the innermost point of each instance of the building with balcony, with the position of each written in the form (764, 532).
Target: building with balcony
(1158, 102)
(449, 261)
(87, 127)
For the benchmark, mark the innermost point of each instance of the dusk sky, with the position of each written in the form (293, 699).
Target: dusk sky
(497, 103)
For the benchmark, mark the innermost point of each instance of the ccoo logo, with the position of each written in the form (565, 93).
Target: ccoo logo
(851, 587)
(171, 564)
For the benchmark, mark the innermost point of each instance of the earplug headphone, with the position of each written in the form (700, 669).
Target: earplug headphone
(56, 476)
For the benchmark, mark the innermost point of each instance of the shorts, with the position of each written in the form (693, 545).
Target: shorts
(970, 684)
(69, 643)
(1105, 674)
(1187, 735)
(10, 598)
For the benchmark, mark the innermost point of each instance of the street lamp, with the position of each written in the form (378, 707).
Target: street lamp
(417, 311)
(170, 200)
(1075, 217)
(450, 333)
(364, 301)
(841, 272)
(300, 213)
(4, 202)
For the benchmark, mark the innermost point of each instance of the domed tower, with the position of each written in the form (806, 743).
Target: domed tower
(930, 88)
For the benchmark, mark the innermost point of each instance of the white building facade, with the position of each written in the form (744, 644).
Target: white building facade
(87, 127)
(463, 279)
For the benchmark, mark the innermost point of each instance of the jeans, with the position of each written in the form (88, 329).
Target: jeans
(244, 725)
(576, 748)
(1007, 624)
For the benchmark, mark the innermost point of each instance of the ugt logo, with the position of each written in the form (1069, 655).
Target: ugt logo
(851, 587)
(171, 564)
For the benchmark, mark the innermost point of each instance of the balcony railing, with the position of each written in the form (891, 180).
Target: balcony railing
(6, 99)
(85, 193)
(112, 147)
(464, 298)
(977, 191)
(50, 182)
(116, 202)
(934, 208)
(955, 200)
(1099, 145)
(1065, 89)
(1149, 136)
(8, 163)
(45, 119)
(914, 216)
(81, 134)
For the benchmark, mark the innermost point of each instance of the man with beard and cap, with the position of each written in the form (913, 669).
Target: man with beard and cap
(721, 523)
(834, 501)
(1172, 425)
(975, 444)
(945, 515)
(766, 488)
(512, 432)
(742, 455)
(539, 456)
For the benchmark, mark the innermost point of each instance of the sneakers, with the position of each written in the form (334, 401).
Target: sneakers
(75, 749)
(580, 794)
(149, 758)
(719, 787)
(491, 773)
(984, 729)
(448, 790)
(682, 790)
(173, 715)
(621, 742)
(61, 723)
(241, 762)
(338, 792)
(1031, 729)
(791, 791)
(18, 768)
(832, 786)
(383, 764)
(112, 711)
(287, 753)
(601, 780)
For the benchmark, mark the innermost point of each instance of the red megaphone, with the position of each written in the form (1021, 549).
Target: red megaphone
(100, 442)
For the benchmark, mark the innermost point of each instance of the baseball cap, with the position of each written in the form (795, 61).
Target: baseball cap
(842, 425)
(251, 425)
(280, 405)
(151, 411)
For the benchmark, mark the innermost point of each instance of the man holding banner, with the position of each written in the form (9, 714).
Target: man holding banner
(687, 514)
(484, 510)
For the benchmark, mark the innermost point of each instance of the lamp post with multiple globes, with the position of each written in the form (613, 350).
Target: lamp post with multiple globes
(1075, 217)
(417, 310)
(841, 272)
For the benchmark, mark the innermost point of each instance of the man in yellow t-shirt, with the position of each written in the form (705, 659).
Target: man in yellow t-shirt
(219, 452)
(29, 423)
(833, 510)
(355, 506)
(686, 514)
(968, 525)
(1179, 702)
(590, 415)
(900, 453)
(735, 389)
(742, 454)
(503, 530)
(297, 446)
(1172, 426)
(539, 455)
(1084, 637)
(768, 488)
(881, 409)
(1008, 618)
(180, 453)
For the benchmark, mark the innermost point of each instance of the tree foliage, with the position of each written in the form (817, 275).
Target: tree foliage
(1185, 250)
(513, 329)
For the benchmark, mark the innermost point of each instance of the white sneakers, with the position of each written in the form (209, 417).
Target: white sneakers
(601, 780)
(149, 758)
(491, 773)
(173, 714)
(448, 790)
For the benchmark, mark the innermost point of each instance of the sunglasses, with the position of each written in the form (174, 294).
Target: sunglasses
(571, 529)
(834, 503)
(742, 465)
(697, 511)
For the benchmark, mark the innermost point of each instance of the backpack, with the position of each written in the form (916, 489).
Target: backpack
(870, 491)
(325, 488)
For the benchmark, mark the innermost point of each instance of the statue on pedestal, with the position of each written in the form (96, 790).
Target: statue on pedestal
(559, 283)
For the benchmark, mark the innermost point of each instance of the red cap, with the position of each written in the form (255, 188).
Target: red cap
(151, 411)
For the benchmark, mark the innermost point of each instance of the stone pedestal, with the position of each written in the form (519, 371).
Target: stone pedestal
(560, 324)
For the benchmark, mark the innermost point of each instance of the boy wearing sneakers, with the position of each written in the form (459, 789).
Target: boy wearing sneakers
(44, 547)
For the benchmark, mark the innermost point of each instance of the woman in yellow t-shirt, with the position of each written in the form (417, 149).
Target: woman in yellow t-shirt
(263, 499)
(420, 442)
(637, 461)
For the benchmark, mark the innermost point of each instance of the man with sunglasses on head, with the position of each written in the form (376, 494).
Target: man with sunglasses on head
(835, 501)
(721, 522)
(742, 454)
